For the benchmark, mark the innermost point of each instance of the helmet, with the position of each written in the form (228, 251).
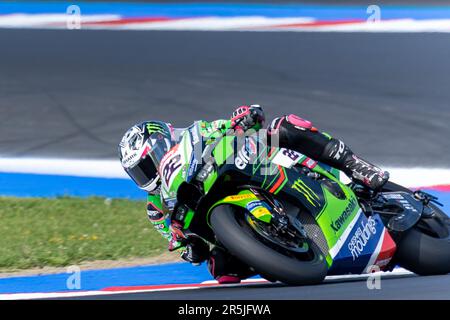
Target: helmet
(141, 150)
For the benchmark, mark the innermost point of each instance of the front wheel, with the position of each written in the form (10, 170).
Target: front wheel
(232, 230)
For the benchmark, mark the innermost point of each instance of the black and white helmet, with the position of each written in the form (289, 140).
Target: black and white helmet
(141, 150)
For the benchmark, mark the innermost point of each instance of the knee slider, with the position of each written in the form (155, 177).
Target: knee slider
(293, 121)
(299, 122)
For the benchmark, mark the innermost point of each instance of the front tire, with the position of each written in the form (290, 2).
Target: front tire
(425, 249)
(229, 228)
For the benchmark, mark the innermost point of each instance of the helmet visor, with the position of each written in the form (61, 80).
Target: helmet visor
(159, 146)
(143, 173)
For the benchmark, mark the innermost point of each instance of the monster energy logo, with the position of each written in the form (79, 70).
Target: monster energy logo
(153, 128)
(307, 192)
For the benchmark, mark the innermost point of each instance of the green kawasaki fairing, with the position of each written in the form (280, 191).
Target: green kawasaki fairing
(333, 205)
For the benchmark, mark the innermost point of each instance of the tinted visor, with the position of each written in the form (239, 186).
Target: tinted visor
(159, 146)
(144, 172)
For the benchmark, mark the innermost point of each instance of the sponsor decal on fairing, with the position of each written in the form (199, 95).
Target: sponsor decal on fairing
(361, 237)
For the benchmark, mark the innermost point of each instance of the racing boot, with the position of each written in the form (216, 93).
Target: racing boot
(360, 171)
(365, 173)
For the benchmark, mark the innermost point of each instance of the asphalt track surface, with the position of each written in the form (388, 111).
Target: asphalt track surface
(74, 93)
(405, 287)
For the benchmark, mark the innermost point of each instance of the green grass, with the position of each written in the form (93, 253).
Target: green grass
(64, 231)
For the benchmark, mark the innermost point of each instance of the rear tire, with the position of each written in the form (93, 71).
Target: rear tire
(244, 244)
(424, 253)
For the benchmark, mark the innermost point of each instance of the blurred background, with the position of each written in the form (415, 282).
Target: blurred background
(74, 76)
(385, 92)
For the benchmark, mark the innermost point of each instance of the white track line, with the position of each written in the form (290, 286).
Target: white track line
(215, 23)
(395, 272)
(71, 167)
(21, 20)
(47, 295)
(419, 177)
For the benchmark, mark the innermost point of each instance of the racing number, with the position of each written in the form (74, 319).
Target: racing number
(291, 154)
(171, 166)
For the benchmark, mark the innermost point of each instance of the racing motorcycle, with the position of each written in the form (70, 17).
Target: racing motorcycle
(292, 219)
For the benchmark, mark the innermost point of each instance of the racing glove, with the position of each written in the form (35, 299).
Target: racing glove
(177, 238)
(247, 117)
(194, 251)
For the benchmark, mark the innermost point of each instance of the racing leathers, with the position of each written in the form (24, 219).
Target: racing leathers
(291, 132)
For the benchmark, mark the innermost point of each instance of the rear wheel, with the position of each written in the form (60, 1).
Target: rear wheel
(425, 249)
(233, 231)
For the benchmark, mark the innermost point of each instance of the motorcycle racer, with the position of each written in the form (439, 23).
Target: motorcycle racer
(144, 146)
